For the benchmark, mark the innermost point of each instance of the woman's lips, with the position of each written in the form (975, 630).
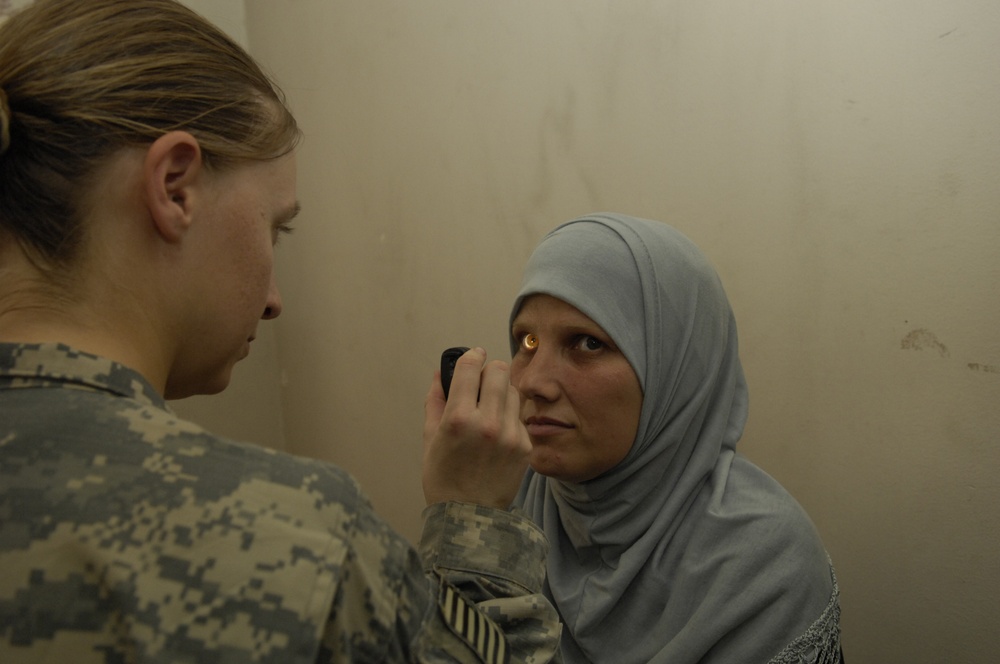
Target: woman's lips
(545, 426)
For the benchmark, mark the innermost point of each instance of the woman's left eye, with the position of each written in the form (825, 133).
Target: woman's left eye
(588, 342)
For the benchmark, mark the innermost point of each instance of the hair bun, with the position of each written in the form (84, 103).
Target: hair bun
(4, 122)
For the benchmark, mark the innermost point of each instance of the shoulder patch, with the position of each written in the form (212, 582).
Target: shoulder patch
(472, 626)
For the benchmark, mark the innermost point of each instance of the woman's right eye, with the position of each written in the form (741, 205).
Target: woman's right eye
(529, 341)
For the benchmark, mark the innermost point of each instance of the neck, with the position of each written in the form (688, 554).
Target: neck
(33, 309)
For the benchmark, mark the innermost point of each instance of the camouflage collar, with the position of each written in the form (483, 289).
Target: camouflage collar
(25, 365)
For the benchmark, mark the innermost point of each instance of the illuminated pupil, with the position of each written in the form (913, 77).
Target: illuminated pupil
(529, 341)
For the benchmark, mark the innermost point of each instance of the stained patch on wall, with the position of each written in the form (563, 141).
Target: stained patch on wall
(922, 339)
(988, 368)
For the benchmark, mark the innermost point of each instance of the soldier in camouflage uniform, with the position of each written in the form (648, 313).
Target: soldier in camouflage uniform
(129, 535)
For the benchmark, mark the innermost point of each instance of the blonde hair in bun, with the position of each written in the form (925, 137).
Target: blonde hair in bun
(92, 78)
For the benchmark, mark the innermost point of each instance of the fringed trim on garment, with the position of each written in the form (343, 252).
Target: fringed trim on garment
(821, 642)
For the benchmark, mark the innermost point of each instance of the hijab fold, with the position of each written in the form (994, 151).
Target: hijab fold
(685, 551)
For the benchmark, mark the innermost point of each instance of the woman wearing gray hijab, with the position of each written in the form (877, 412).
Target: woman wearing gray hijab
(666, 545)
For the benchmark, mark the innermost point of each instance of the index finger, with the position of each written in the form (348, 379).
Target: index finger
(465, 381)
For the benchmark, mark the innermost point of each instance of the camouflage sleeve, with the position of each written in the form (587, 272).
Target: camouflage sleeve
(495, 560)
(475, 597)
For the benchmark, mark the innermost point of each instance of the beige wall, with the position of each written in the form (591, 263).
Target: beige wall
(839, 163)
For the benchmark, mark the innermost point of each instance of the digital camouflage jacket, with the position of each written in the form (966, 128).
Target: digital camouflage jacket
(129, 535)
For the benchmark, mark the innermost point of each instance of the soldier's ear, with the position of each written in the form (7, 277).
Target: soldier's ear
(171, 171)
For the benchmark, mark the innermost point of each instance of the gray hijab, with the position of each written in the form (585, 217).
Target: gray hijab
(684, 552)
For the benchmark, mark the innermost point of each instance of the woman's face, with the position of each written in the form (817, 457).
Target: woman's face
(580, 398)
(245, 210)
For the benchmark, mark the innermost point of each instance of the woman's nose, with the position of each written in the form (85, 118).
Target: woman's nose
(535, 376)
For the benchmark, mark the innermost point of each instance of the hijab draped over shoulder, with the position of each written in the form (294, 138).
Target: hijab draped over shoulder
(685, 551)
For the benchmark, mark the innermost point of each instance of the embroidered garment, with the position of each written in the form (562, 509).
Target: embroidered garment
(685, 551)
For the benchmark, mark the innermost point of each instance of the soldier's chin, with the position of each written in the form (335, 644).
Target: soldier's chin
(203, 385)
